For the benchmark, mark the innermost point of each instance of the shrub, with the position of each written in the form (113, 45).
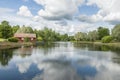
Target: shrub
(26, 39)
(13, 39)
(39, 39)
(107, 39)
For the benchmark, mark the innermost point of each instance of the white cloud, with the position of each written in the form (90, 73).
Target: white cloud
(23, 67)
(5, 10)
(24, 11)
(109, 9)
(58, 9)
(90, 19)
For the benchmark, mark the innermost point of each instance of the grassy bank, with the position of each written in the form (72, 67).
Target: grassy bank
(115, 44)
(7, 45)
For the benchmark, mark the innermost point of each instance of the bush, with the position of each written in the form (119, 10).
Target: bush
(39, 39)
(107, 39)
(13, 39)
(26, 39)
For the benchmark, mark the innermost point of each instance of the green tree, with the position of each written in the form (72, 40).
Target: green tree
(48, 34)
(15, 28)
(64, 37)
(116, 32)
(6, 30)
(93, 35)
(0, 31)
(71, 38)
(80, 36)
(103, 32)
(25, 29)
(107, 39)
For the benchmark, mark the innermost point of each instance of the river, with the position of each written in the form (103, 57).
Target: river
(60, 61)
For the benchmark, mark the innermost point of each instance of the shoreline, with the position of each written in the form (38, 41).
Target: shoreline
(115, 44)
(10, 45)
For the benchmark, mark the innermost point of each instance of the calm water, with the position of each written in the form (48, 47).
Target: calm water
(60, 61)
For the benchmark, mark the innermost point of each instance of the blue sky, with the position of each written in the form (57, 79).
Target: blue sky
(64, 16)
(16, 4)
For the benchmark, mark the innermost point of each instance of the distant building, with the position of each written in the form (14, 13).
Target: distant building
(22, 36)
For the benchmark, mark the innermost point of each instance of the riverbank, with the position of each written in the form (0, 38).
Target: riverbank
(115, 44)
(8, 45)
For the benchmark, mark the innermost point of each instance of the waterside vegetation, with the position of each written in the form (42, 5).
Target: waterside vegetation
(101, 35)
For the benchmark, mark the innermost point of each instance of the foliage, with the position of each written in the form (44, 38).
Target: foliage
(26, 39)
(103, 32)
(116, 32)
(93, 35)
(107, 39)
(48, 34)
(25, 29)
(15, 28)
(39, 39)
(5, 30)
(80, 36)
(64, 37)
(13, 39)
(71, 38)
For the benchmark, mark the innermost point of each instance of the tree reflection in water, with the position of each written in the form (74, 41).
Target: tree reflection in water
(96, 47)
(5, 56)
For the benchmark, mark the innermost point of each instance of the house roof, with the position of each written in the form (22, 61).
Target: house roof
(29, 35)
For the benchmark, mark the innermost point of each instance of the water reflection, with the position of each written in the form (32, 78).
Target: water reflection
(60, 61)
(57, 71)
(5, 56)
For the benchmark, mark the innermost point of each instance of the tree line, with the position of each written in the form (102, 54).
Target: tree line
(101, 34)
(46, 34)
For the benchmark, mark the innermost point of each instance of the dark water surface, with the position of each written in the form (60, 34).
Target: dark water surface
(61, 61)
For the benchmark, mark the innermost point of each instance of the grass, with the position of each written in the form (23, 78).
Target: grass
(8, 45)
(113, 44)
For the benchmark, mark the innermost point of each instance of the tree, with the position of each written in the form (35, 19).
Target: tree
(107, 39)
(64, 37)
(15, 28)
(25, 29)
(48, 34)
(6, 30)
(80, 36)
(103, 32)
(71, 38)
(116, 32)
(0, 31)
(93, 35)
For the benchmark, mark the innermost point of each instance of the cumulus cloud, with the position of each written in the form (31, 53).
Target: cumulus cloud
(109, 10)
(24, 11)
(62, 22)
(90, 19)
(23, 67)
(58, 9)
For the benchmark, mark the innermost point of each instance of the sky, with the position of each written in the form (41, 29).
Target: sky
(64, 16)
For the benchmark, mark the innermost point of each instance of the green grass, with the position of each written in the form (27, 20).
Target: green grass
(113, 44)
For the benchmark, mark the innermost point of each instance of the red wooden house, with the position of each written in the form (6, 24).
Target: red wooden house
(22, 36)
